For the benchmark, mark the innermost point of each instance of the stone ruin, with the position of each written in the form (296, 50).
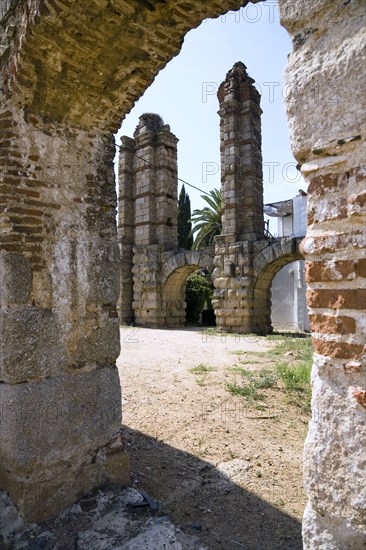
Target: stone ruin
(69, 73)
(243, 261)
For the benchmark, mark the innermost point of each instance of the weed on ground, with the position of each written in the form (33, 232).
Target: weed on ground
(289, 364)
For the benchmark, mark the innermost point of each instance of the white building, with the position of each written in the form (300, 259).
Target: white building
(289, 309)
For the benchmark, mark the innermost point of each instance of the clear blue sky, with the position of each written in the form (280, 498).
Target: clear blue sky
(184, 95)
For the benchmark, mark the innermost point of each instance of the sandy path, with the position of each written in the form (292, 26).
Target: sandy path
(203, 452)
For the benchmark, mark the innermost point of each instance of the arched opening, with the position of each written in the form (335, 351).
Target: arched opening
(199, 296)
(174, 299)
(174, 302)
(262, 303)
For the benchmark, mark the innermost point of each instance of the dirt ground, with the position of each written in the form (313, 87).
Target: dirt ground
(225, 470)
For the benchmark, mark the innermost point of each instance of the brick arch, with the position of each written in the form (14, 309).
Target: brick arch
(69, 73)
(266, 264)
(87, 63)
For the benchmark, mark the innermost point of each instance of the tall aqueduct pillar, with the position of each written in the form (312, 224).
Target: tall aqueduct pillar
(242, 196)
(241, 156)
(147, 216)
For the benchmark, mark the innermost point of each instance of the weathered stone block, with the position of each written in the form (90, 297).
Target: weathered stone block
(336, 430)
(15, 279)
(235, 248)
(58, 418)
(105, 281)
(233, 282)
(100, 346)
(220, 293)
(269, 254)
(243, 293)
(56, 440)
(221, 282)
(31, 345)
(229, 270)
(41, 495)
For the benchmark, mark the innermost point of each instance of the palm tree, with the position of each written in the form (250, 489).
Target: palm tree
(207, 220)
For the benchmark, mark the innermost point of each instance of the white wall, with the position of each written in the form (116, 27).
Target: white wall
(285, 226)
(289, 310)
(300, 215)
(295, 224)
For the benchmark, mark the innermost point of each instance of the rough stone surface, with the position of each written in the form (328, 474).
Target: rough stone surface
(102, 520)
(45, 426)
(38, 331)
(59, 285)
(241, 156)
(328, 41)
(15, 279)
(71, 82)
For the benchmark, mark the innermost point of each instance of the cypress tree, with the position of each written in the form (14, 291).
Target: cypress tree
(185, 240)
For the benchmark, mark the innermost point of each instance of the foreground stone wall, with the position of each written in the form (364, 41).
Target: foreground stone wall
(326, 106)
(59, 328)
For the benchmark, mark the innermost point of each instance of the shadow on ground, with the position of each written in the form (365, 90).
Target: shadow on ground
(202, 500)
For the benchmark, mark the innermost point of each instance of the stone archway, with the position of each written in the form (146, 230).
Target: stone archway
(175, 272)
(68, 76)
(266, 264)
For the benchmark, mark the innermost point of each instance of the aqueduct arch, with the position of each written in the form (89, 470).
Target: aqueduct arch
(266, 263)
(68, 76)
(175, 272)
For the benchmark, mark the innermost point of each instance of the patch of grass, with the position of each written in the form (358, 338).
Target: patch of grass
(215, 331)
(302, 347)
(254, 381)
(294, 373)
(266, 379)
(244, 337)
(239, 370)
(296, 380)
(201, 369)
(295, 377)
(248, 391)
(248, 361)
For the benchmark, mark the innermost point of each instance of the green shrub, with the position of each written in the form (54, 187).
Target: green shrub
(199, 292)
